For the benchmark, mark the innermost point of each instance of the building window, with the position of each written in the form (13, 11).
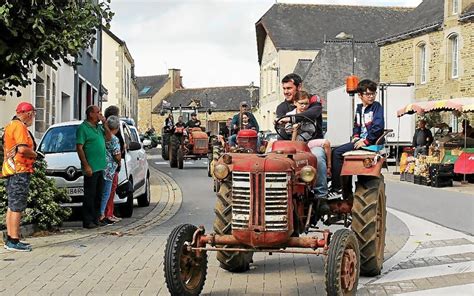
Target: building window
(423, 68)
(455, 6)
(454, 55)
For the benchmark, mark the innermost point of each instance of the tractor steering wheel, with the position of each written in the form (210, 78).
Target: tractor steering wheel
(306, 125)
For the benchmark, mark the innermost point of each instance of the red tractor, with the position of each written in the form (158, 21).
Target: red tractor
(191, 143)
(265, 204)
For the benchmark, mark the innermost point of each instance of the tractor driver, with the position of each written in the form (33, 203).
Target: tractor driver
(236, 122)
(193, 122)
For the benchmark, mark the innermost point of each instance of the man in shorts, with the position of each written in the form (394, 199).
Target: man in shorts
(19, 156)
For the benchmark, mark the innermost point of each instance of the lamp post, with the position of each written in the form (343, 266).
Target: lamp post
(251, 90)
(345, 36)
(351, 82)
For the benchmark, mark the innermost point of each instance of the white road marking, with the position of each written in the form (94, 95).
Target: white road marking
(443, 251)
(161, 162)
(427, 271)
(420, 231)
(460, 290)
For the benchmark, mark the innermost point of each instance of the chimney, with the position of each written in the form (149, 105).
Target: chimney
(175, 77)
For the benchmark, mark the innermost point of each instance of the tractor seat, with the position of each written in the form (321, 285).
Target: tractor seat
(373, 148)
(368, 150)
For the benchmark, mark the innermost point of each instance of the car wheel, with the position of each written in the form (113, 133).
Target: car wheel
(126, 209)
(144, 199)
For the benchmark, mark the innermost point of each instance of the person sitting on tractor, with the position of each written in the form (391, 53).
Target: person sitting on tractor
(368, 128)
(321, 148)
(169, 123)
(236, 123)
(193, 122)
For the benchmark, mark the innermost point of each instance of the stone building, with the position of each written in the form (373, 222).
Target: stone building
(434, 49)
(151, 91)
(290, 37)
(223, 101)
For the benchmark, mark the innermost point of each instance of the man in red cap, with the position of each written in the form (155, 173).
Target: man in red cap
(19, 155)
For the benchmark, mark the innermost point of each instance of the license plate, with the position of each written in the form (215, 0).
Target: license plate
(75, 191)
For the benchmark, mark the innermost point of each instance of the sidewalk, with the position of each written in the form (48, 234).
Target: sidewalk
(166, 199)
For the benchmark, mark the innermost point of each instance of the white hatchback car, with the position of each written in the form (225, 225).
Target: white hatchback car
(63, 165)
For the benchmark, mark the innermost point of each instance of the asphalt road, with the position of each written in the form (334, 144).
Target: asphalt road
(447, 208)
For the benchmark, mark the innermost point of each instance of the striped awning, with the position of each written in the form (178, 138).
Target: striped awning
(443, 105)
(411, 108)
(460, 104)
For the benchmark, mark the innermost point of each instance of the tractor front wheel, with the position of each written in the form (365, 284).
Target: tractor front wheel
(341, 268)
(185, 270)
(369, 215)
(230, 261)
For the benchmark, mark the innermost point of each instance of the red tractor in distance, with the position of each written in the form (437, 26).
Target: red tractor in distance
(265, 204)
(180, 143)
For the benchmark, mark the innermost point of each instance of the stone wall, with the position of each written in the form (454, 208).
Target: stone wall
(399, 62)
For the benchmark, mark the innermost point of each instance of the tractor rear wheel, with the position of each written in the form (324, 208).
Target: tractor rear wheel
(173, 148)
(180, 158)
(369, 215)
(341, 268)
(230, 261)
(165, 144)
(185, 271)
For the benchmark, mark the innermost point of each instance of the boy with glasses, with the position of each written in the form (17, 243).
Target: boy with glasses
(368, 127)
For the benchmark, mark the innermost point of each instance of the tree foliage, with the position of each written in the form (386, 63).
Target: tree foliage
(37, 32)
(44, 199)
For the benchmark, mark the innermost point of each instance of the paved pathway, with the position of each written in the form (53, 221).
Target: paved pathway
(423, 259)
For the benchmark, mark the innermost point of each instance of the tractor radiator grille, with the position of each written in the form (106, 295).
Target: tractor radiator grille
(200, 143)
(276, 201)
(240, 200)
(275, 190)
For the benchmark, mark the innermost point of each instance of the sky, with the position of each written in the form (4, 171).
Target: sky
(213, 42)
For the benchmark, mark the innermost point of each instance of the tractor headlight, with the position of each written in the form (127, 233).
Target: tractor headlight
(227, 158)
(221, 171)
(367, 163)
(307, 174)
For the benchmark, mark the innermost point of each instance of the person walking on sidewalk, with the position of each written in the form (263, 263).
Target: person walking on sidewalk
(19, 157)
(90, 144)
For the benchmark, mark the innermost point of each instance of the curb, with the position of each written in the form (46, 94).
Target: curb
(168, 198)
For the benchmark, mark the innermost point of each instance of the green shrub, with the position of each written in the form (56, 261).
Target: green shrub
(43, 207)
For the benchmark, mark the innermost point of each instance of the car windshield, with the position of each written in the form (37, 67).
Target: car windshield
(59, 140)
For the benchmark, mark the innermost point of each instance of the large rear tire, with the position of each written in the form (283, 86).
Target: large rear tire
(185, 271)
(180, 158)
(341, 268)
(173, 148)
(369, 215)
(165, 146)
(230, 261)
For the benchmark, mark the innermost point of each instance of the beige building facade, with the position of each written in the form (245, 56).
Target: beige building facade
(151, 92)
(118, 75)
(439, 60)
(275, 65)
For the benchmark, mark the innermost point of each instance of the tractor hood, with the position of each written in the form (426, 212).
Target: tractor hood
(272, 162)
